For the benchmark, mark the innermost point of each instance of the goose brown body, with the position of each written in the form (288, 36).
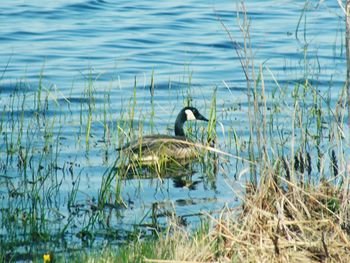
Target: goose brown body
(152, 148)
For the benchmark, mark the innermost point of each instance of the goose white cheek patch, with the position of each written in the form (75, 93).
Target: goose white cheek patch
(189, 115)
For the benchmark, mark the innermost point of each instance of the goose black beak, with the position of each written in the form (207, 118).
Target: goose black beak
(202, 118)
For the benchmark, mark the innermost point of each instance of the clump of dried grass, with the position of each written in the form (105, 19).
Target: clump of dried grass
(279, 221)
(289, 224)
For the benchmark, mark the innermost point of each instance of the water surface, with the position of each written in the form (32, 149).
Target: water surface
(105, 47)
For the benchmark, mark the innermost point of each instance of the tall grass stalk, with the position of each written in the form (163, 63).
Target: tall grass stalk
(152, 102)
(89, 95)
(246, 59)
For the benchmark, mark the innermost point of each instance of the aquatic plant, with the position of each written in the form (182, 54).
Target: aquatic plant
(285, 142)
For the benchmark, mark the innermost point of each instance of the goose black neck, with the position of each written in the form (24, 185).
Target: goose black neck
(179, 125)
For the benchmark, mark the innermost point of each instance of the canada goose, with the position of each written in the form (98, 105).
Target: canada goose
(153, 148)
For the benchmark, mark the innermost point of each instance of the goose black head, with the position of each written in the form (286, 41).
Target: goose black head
(187, 114)
(193, 114)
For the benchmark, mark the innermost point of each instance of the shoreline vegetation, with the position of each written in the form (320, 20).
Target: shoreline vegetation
(294, 207)
(274, 224)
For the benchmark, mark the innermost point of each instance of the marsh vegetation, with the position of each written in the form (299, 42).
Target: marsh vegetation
(271, 181)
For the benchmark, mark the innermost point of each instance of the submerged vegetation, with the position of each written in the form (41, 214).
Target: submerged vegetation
(286, 148)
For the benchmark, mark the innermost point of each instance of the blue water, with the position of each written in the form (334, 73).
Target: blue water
(123, 39)
(65, 44)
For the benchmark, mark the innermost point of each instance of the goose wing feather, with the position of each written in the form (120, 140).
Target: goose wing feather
(177, 147)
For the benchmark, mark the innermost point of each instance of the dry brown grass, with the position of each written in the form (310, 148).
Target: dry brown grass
(278, 222)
